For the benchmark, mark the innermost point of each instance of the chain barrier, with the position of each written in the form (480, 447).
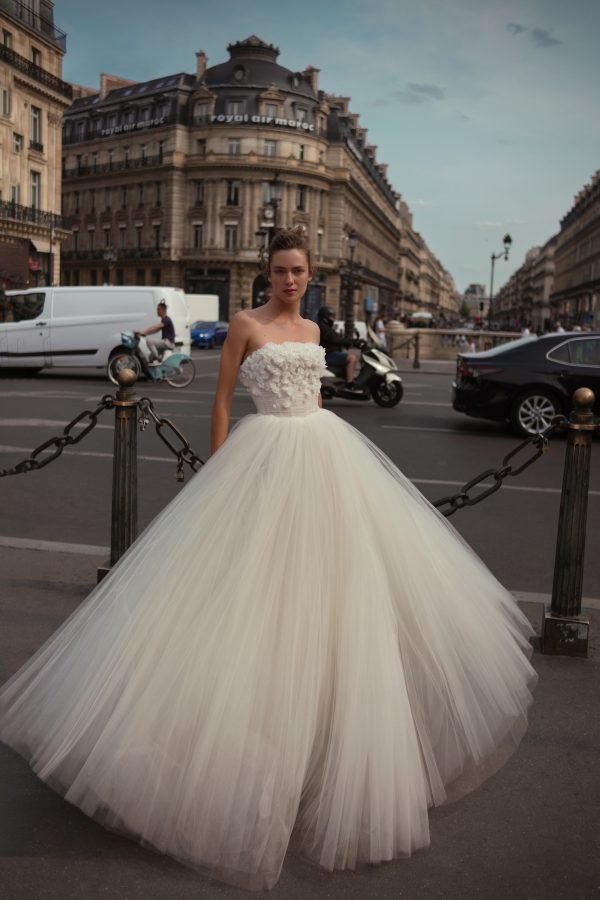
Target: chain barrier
(66, 439)
(184, 454)
(463, 498)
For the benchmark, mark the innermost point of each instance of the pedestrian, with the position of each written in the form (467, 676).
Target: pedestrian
(380, 332)
(299, 643)
(558, 327)
(525, 332)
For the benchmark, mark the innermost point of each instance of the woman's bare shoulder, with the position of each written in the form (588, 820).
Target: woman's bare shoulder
(313, 330)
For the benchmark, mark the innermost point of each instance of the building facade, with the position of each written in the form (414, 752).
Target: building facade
(32, 104)
(575, 297)
(180, 180)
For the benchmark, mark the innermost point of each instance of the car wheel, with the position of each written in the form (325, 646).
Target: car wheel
(533, 411)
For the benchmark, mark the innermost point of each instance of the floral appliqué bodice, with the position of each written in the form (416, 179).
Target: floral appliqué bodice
(284, 379)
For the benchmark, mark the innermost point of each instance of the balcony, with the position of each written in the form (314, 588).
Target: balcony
(18, 213)
(35, 145)
(28, 68)
(32, 19)
(124, 165)
(123, 254)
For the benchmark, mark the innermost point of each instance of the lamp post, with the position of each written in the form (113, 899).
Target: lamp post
(507, 241)
(110, 257)
(349, 310)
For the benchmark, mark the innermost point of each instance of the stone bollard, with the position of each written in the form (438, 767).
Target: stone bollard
(565, 629)
(124, 519)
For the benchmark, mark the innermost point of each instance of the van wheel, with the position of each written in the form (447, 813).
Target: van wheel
(122, 360)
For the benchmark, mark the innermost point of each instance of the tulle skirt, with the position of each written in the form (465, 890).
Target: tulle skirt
(299, 648)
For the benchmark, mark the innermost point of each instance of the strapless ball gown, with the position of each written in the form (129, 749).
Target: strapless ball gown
(298, 650)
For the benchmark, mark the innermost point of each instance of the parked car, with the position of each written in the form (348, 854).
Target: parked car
(209, 334)
(528, 381)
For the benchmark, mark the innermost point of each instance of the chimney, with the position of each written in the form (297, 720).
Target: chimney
(201, 61)
(311, 75)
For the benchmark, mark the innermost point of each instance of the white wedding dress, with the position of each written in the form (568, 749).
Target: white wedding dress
(298, 650)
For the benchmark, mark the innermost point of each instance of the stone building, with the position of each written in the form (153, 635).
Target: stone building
(32, 103)
(179, 180)
(525, 298)
(575, 297)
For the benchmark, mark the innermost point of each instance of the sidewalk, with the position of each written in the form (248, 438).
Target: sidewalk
(532, 832)
(428, 366)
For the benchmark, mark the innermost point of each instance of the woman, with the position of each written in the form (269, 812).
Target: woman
(299, 646)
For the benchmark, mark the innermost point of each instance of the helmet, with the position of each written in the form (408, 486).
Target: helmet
(326, 314)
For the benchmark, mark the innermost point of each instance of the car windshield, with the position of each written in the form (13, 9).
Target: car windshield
(203, 324)
(509, 345)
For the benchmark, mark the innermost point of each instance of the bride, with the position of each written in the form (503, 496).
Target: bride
(299, 650)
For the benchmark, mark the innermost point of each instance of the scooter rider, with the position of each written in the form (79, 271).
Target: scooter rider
(334, 343)
(166, 341)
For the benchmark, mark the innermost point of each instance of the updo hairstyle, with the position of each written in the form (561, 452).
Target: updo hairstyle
(284, 239)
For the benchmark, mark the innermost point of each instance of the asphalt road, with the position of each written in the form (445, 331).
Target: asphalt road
(69, 501)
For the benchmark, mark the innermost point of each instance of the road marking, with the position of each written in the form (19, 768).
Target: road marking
(454, 431)
(16, 543)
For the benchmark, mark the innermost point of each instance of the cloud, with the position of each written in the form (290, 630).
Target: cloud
(407, 97)
(514, 28)
(488, 224)
(463, 116)
(543, 38)
(429, 90)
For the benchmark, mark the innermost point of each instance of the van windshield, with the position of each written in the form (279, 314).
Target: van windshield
(19, 307)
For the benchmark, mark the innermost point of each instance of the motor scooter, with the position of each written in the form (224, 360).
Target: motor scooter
(177, 369)
(377, 379)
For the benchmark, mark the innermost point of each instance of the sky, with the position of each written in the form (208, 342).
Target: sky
(486, 111)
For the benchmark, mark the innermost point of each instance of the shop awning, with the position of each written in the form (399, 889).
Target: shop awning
(42, 245)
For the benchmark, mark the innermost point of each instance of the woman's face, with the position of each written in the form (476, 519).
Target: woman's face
(289, 275)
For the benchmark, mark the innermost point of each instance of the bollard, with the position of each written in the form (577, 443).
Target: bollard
(416, 361)
(565, 628)
(124, 487)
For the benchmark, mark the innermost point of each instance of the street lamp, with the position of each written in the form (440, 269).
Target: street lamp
(507, 241)
(349, 310)
(110, 257)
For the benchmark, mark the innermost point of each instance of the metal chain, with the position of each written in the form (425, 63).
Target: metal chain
(185, 454)
(463, 497)
(64, 440)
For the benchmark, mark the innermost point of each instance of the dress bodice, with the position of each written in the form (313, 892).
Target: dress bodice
(284, 379)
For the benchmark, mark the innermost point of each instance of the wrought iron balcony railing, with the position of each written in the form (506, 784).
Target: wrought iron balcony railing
(121, 255)
(32, 19)
(18, 213)
(36, 72)
(36, 145)
(146, 162)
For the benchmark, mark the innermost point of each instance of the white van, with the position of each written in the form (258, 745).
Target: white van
(81, 326)
(202, 307)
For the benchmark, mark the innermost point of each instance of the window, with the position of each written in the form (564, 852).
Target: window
(6, 38)
(124, 197)
(15, 193)
(156, 236)
(36, 125)
(155, 275)
(161, 151)
(198, 235)
(75, 277)
(21, 307)
(35, 189)
(198, 193)
(94, 277)
(301, 114)
(236, 107)
(91, 238)
(107, 238)
(231, 237)
(92, 200)
(301, 198)
(140, 276)
(75, 239)
(6, 102)
(143, 154)
(79, 159)
(272, 110)
(17, 142)
(270, 148)
(301, 151)
(158, 194)
(76, 200)
(80, 137)
(120, 276)
(201, 146)
(126, 156)
(107, 198)
(122, 237)
(138, 236)
(271, 191)
(36, 56)
(140, 193)
(201, 111)
(235, 146)
(111, 154)
(233, 193)
(94, 161)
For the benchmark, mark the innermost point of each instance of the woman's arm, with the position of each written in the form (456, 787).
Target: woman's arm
(232, 355)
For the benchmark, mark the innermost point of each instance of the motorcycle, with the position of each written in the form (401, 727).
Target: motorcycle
(377, 379)
(177, 369)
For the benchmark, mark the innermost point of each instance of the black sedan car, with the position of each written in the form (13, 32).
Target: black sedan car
(528, 381)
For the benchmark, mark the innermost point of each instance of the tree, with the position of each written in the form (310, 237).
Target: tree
(465, 310)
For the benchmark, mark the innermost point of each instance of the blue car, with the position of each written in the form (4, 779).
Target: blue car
(208, 334)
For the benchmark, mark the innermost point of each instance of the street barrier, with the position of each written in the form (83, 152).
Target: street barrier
(565, 629)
